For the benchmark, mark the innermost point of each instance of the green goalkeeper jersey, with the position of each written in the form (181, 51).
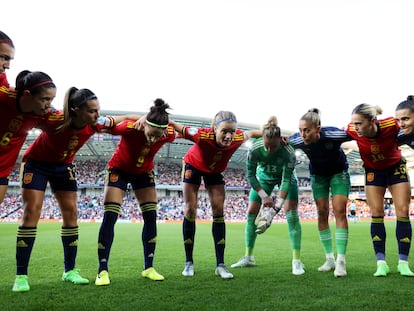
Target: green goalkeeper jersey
(276, 167)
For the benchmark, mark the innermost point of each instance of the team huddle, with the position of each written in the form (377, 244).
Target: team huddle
(270, 165)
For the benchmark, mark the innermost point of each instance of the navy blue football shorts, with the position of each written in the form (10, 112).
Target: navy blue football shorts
(4, 181)
(384, 178)
(191, 175)
(119, 179)
(36, 175)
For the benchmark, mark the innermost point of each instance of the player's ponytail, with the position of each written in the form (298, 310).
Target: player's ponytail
(158, 115)
(74, 98)
(312, 116)
(271, 129)
(369, 112)
(34, 82)
(407, 104)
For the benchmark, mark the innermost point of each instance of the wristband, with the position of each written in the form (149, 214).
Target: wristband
(280, 205)
(262, 194)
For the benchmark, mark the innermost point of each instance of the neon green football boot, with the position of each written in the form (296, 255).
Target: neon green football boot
(382, 270)
(404, 269)
(21, 284)
(74, 277)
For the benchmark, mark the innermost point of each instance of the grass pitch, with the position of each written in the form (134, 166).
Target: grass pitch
(268, 286)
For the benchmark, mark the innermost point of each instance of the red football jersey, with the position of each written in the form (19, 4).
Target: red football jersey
(133, 154)
(380, 152)
(3, 80)
(14, 127)
(205, 155)
(59, 147)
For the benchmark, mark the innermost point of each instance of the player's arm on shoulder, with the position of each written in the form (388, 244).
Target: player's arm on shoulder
(111, 121)
(179, 128)
(191, 133)
(285, 139)
(119, 119)
(253, 134)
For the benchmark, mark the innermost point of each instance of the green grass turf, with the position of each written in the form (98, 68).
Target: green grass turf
(268, 286)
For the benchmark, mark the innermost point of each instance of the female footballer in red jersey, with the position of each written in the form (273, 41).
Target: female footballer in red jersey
(49, 159)
(207, 159)
(6, 55)
(384, 168)
(133, 162)
(25, 107)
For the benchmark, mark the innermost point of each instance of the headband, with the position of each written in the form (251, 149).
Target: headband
(7, 42)
(227, 120)
(86, 99)
(163, 126)
(39, 84)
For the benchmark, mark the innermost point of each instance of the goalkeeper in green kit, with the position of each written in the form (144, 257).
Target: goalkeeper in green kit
(270, 163)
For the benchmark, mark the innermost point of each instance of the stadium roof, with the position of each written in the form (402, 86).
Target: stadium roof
(102, 146)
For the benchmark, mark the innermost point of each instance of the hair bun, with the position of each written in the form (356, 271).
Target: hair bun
(159, 102)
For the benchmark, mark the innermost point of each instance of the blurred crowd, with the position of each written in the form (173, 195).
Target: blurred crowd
(169, 207)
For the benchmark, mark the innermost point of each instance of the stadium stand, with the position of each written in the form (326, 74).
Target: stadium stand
(90, 169)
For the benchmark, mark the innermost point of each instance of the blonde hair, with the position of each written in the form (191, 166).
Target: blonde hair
(369, 112)
(271, 129)
(223, 116)
(312, 116)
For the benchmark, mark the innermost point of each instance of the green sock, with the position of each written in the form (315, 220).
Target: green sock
(250, 234)
(341, 236)
(326, 239)
(295, 232)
